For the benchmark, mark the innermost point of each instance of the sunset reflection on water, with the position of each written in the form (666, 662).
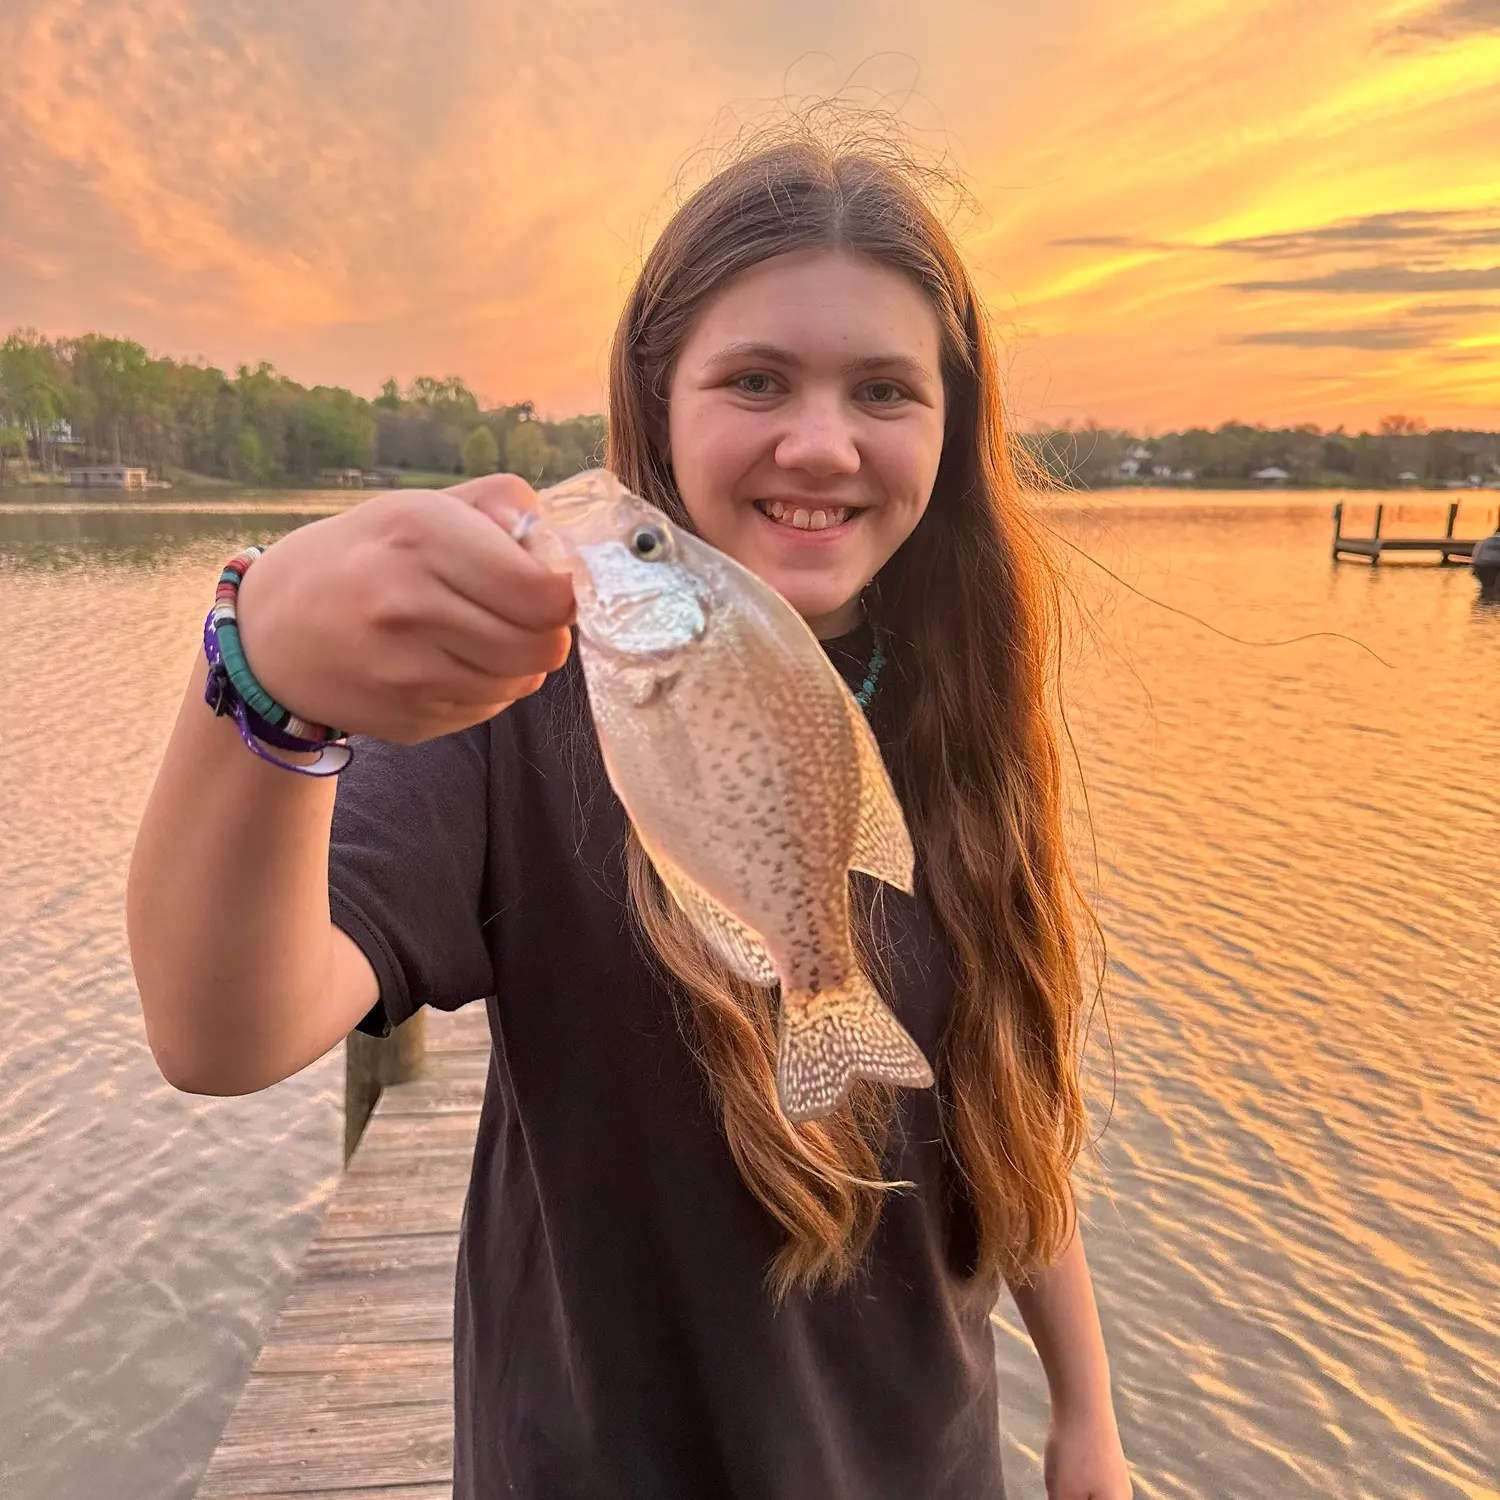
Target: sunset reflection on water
(1293, 1214)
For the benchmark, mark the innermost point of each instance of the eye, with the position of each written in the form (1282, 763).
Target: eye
(648, 543)
(884, 392)
(755, 383)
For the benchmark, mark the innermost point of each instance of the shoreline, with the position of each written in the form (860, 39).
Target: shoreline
(1113, 498)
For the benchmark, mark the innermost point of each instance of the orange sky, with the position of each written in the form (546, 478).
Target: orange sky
(1190, 210)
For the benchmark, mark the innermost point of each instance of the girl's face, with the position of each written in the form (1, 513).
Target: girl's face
(805, 423)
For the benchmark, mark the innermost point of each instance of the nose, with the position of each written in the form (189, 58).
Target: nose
(819, 440)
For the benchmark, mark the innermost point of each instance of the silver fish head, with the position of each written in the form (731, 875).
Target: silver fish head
(640, 592)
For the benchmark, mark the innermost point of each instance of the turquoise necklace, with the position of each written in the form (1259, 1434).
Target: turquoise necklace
(872, 671)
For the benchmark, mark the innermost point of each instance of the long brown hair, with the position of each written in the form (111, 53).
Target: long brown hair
(971, 603)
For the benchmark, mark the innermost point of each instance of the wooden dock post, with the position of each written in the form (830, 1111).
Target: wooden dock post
(1448, 547)
(370, 1063)
(1447, 557)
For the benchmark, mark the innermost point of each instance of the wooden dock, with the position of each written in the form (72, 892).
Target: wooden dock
(352, 1396)
(1446, 546)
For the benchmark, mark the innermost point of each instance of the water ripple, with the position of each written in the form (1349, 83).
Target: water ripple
(1293, 1213)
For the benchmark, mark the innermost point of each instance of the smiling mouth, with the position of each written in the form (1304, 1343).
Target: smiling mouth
(806, 518)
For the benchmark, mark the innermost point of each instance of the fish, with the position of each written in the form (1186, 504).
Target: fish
(747, 769)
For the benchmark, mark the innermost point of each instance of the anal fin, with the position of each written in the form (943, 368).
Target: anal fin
(741, 948)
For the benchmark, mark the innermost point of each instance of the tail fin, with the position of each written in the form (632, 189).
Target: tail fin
(831, 1038)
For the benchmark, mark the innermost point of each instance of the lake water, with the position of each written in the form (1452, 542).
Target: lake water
(1293, 1215)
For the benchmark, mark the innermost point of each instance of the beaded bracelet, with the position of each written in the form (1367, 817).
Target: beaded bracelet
(232, 689)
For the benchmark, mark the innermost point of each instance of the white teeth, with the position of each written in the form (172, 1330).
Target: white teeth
(819, 520)
(800, 519)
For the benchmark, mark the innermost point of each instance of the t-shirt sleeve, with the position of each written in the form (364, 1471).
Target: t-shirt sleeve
(406, 870)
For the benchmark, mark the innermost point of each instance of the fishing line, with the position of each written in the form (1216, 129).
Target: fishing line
(1311, 635)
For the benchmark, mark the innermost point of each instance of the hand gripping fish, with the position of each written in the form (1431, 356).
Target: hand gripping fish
(741, 757)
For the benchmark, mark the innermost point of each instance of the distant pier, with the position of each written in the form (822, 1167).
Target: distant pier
(1447, 547)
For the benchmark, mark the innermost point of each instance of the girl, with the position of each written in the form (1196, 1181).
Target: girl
(663, 1290)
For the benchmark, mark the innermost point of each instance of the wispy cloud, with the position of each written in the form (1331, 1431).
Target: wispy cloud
(1095, 241)
(1386, 336)
(1450, 20)
(1436, 230)
(1384, 278)
(1454, 310)
(368, 187)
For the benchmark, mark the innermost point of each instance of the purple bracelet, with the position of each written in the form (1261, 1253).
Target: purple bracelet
(220, 695)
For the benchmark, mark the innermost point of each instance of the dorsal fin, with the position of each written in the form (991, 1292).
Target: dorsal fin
(882, 843)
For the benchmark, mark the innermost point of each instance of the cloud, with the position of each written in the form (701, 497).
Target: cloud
(1381, 336)
(1436, 230)
(1450, 20)
(1384, 278)
(368, 187)
(1453, 310)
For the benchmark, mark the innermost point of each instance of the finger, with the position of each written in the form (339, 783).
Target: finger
(504, 498)
(440, 716)
(478, 559)
(491, 645)
(508, 690)
(431, 671)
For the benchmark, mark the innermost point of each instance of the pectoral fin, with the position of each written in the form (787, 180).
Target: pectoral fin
(882, 844)
(740, 947)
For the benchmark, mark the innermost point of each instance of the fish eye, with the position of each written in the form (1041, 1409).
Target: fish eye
(648, 542)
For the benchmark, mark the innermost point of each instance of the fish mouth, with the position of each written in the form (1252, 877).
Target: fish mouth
(806, 517)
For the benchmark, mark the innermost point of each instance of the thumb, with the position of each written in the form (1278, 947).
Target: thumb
(504, 498)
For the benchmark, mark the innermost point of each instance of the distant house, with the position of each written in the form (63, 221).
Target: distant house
(342, 478)
(1161, 471)
(107, 477)
(1272, 475)
(1127, 468)
(1408, 477)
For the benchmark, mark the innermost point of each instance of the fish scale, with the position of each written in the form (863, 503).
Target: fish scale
(747, 770)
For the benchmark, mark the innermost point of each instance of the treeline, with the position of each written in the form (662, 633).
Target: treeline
(96, 399)
(1400, 452)
(104, 400)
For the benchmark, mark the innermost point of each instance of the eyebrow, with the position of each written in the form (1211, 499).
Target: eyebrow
(774, 354)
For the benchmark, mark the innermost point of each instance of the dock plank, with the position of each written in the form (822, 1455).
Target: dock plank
(352, 1396)
(385, 1492)
(296, 1452)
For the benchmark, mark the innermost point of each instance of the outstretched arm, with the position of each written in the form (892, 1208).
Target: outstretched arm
(1084, 1460)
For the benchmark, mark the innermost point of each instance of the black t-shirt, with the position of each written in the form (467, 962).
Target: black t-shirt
(614, 1339)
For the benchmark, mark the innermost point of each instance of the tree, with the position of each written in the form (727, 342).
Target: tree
(481, 453)
(247, 460)
(527, 451)
(329, 428)
(113, 375)
(1402, 426)
(12, 445)
(450, 400)
(389, 398)
(31, 385)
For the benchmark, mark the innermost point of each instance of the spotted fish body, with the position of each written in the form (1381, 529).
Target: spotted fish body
(748, 770)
